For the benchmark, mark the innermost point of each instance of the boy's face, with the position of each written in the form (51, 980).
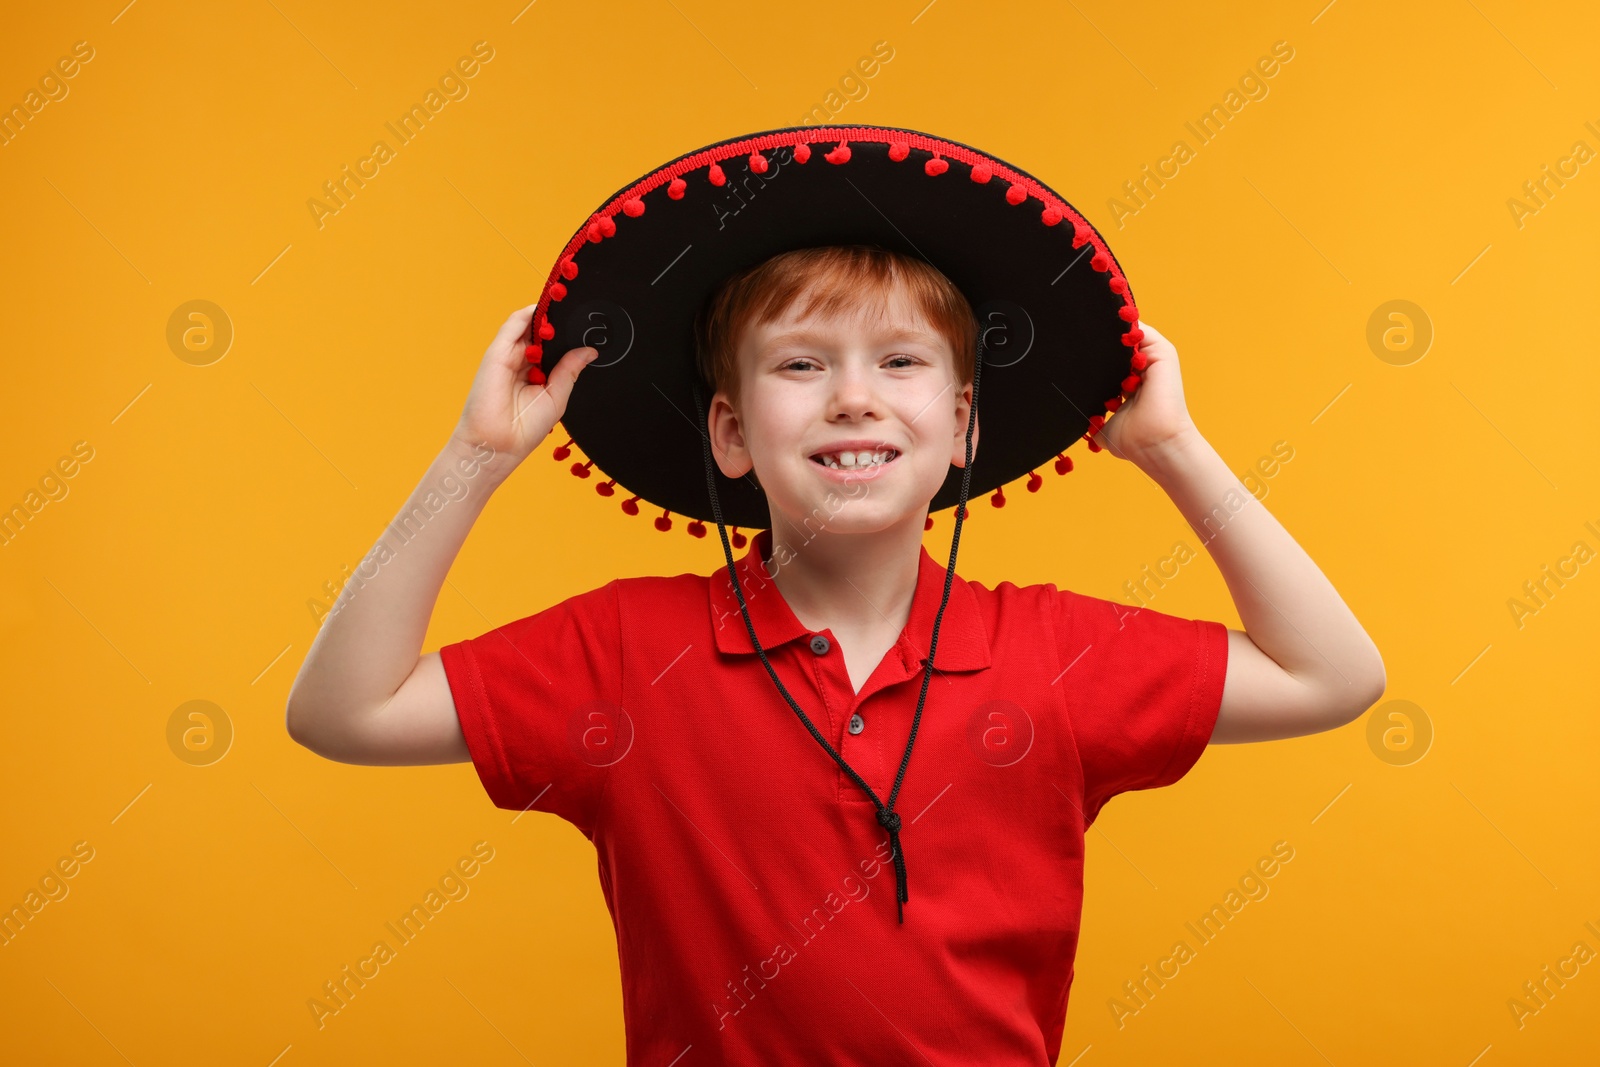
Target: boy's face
(810, 388)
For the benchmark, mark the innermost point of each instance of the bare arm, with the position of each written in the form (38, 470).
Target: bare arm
(363, 694)
(1303, 663)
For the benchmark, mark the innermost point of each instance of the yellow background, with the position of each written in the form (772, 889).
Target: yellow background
(179, 566)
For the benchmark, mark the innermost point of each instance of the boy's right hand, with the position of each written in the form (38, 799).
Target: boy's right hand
(503, 409)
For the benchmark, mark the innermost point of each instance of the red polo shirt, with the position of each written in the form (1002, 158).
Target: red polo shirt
(748, 880)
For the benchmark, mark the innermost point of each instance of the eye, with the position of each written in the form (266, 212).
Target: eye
(911, 359)
(797, 364)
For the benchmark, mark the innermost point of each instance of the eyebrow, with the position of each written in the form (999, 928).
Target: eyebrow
(812, 337)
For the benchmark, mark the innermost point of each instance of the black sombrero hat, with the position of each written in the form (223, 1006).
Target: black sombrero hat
(1057, 326)
(1055, 312)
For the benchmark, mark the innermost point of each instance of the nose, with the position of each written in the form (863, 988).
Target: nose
(853, 394)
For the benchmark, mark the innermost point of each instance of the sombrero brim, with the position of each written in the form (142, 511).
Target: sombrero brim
(1060, 328)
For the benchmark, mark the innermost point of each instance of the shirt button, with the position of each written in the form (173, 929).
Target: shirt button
(819, 644)
(857, 723)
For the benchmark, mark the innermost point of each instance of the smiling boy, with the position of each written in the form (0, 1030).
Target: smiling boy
(738, 847)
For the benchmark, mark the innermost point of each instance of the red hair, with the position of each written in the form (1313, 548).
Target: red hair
(835, 279)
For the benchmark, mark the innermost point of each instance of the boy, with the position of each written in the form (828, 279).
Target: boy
(734, 858)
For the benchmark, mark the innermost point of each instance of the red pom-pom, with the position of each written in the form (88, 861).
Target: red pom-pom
(630, 506)
(675, 190)
(581, 470)
(1063, 463)
(965, 515)
(1128, 312)
(927, 524)
(758, 163)
(839, 155)
(697, 528)
(1130, 383)
(607, 488)
(558, 291)
(633, 207)
(593, 231)
(547, 332)
(1100, 261)
(999, 498)
(1096, 423)
(1133, 337)
(898, 151)
(1016, 194)
(1092, 446)
(1119, 285)
(935, 167)
(663, 523)
(608, 226)
(1138, 361)
(535, 375)
(1080, 234)
(982, 172)
(1050, 216)
(716, 175)
(569, 269)
(562, 451)
(739, 539)
(534, 353)
(1035, 480)
(1114, 403)
(802, 152)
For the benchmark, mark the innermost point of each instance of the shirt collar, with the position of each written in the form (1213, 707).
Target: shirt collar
(963, 638)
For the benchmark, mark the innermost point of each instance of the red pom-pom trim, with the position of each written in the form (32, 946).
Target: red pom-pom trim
(1016, 194)
(1063, 463)
(802, 152)
(534, 353)
(1080, 234)
(1130, 383)
(569, 269)
(898, 151)
(1114, 403)
(1133, 337)
(1128, 312)
(982, 172)
(663, 520)
(607, 488)
(935, 167)
(1050, 216)
(558, 291)
(581, 470)
(927, 524)
(716, 175)
(1035, 480)
(697, 528)
(608, 226)
(633, 207)
(999, 497)
(839, 155)
(547, 332)
(676, 188)
(965, 514)
(1100, 261)
(739, 539)
(1119, 285)
(1138, 361)
(758, 163)
(1092, 446)
(562, 451)
(630, 506)
(535, 375)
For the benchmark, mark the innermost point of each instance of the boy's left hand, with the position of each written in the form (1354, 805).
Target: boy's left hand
(1155, 417)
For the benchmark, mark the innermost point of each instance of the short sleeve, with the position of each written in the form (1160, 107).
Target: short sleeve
(1143, 692)
(538, 700)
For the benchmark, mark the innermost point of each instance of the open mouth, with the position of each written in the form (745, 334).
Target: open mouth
(855, 461)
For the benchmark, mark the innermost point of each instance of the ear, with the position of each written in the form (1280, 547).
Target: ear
(958, 446)
(727, 438)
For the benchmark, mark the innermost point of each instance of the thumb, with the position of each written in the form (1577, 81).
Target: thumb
(564, 375)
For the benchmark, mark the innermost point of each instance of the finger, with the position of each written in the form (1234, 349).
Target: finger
(516, 327)
(558, 383)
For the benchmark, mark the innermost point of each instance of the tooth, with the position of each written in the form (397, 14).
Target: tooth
(847, 459)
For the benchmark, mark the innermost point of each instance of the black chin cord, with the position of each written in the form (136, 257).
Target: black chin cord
(888, 818)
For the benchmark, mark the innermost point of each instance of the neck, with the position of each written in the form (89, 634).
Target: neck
(852, 581)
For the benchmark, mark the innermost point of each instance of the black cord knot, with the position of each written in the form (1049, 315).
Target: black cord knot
(889, 820)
